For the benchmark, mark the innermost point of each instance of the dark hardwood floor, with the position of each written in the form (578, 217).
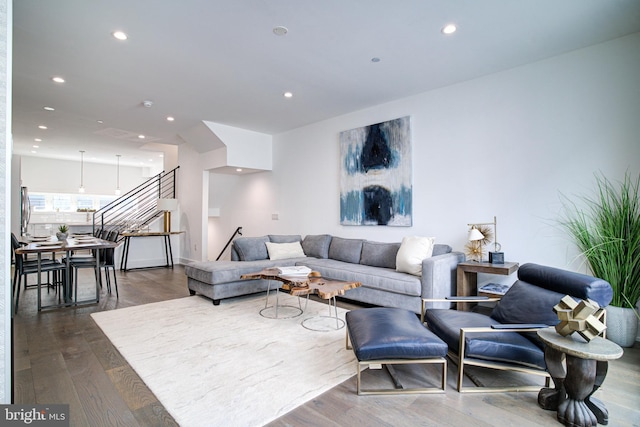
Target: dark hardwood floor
(61, 356)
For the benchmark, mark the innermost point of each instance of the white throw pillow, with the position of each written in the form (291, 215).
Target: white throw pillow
(412, 252)
(284, 250)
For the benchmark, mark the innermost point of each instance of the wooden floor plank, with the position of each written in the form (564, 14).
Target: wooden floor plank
(62, 356)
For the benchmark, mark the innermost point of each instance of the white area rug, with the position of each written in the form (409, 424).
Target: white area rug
(227, 365)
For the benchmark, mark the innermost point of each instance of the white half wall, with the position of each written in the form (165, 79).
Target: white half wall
(507, 144)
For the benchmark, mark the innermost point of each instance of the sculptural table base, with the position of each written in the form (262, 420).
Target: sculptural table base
(572, 397)
(586, 369)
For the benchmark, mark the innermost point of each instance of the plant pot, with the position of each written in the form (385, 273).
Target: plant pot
(61, 236)
(622, 326)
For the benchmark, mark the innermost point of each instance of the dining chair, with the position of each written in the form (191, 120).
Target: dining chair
(45, 258)
(24, 268)
(107, 259)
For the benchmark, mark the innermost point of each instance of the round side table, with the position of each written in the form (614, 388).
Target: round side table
(586, 369)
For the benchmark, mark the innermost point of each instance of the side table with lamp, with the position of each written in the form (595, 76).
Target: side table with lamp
(166, 206)
(481, 234)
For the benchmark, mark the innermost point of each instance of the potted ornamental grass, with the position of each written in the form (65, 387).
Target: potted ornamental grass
(605, 227)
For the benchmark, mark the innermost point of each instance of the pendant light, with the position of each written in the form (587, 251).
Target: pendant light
(118, 175)
(81, 189)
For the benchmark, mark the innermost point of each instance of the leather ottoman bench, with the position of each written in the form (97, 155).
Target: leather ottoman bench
(391, 336)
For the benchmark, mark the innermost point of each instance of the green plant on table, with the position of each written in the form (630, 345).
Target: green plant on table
(606, 229)
(63, 228)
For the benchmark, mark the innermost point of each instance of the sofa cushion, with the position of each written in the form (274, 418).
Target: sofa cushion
(537, 309)
(440, 249)
(413, 250)
(497, 346)
(317, 245)
(383, 279)
(284, 238)
(567, 282)
(251, 248)
(378, 254)
(391, 333)
(347, 250)
(222, 272)
(284, 250)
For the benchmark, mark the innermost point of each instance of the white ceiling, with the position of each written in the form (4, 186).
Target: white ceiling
(219, 60)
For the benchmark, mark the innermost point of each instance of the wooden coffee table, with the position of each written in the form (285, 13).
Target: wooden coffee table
(314, 284)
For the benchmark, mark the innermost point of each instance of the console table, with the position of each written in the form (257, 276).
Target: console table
(128, 235)
(586, 368)
(467, 277)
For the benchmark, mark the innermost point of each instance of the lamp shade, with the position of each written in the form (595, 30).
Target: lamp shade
(167, 204)
(475, 234)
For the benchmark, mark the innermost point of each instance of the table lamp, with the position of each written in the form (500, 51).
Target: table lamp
(481, 234)
(167, 205)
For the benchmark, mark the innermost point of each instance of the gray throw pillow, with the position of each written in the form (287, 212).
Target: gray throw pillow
(284, 238)
(317, 246)
(251, 248)
(378, 254)
(347, 250)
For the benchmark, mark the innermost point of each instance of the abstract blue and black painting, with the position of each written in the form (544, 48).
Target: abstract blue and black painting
(375, 174)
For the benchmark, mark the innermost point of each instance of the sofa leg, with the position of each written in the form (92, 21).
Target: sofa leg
(192, 292)
(216, 302)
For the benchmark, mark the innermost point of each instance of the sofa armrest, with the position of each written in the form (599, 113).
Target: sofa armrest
(439, 277)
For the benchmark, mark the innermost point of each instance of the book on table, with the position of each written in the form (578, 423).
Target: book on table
(494, 288)
(295, 270)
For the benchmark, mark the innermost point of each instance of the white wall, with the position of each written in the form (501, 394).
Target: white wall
(63, 176)
(506, 144)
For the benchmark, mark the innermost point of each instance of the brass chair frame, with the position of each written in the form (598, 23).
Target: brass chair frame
(480, 388)
(399, 388)
(455, 358)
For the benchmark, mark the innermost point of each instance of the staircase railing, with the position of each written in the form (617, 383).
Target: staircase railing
(238, 231)
(137, 208)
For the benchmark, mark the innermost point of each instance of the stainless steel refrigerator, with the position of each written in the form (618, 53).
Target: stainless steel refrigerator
(25, 211)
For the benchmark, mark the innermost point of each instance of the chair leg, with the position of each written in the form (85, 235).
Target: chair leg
(15, 279)
(107, 278)
(18, 291)
(115, 280)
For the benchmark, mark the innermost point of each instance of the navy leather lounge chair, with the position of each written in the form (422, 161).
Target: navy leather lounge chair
(480, 340)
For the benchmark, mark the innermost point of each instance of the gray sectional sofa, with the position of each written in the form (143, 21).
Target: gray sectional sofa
(371, 263)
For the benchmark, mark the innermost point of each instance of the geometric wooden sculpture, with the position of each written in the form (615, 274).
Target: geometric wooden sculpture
(581, 317)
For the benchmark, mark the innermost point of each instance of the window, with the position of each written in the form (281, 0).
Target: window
(62, 202)
(37, 202)
(85, 202)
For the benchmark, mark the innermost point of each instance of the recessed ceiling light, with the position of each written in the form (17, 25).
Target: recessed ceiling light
(288, 95)
(280, 30)
(49, 108)
(238, 170)
(161, 155)
(141, 136)
(42, 127)
(36, 146)
(34, 151)
(37, 140)
(170, 119)
(120, 35)
(449, 29)
(100, 121)
(57, 79)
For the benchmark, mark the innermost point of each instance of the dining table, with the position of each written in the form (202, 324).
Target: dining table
(38, 247)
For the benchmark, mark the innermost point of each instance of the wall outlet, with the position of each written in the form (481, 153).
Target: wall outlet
(275, 216)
